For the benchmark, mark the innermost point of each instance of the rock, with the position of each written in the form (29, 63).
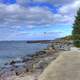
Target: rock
(12, 62)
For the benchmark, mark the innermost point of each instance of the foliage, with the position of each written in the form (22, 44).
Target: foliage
(76, 30)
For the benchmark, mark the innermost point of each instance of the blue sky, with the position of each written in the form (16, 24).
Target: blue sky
(36, 19)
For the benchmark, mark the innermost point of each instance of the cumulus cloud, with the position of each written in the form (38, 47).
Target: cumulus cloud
(70, 9)
(16, 15)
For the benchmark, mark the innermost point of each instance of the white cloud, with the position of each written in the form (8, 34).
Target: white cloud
(66, 10)
(70, 8)
(16, 15)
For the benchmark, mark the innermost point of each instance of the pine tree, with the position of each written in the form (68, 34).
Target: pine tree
(76, 30)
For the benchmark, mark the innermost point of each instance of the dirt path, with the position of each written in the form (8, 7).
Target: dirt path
(65, 67)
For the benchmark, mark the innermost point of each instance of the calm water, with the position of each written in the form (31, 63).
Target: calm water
(12, 49)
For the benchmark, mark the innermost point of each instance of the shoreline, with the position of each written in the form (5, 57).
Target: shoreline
(31, 64)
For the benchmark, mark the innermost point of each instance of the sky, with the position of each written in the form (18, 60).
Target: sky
(36, 19)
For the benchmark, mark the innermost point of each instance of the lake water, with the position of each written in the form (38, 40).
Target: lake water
(13, 49)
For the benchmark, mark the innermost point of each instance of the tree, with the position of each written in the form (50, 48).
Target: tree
(76, 30)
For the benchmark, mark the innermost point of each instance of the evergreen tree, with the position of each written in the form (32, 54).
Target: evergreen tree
(76, 30)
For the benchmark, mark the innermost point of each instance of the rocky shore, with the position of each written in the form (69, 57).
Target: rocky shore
(30, 65)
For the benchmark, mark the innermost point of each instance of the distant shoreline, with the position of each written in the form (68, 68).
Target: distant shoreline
(30, 41)
(39, 41)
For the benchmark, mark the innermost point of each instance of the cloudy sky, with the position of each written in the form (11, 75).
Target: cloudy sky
(36, 19)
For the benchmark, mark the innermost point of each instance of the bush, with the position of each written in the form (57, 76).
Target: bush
(77, 43)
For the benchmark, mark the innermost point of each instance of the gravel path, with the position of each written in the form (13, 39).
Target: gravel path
(65, 67)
